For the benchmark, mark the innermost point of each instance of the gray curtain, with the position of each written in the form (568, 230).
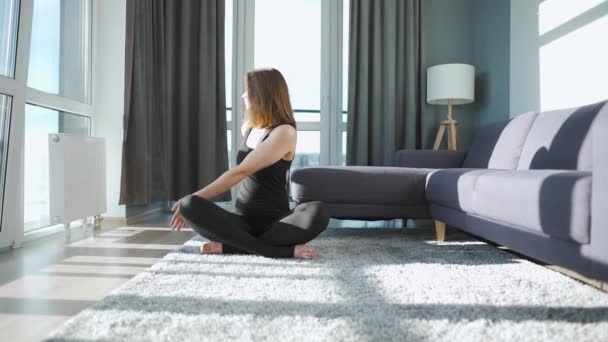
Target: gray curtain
(384, 95)
(175, 103)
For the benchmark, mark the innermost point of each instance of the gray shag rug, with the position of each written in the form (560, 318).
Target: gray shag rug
(365, 285)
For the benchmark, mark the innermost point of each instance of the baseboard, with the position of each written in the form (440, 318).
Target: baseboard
(146, 215)
(45, 232)
(53, 231)
(115, 220)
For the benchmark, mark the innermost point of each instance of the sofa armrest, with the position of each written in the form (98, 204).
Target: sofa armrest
(431, 159)
(599, 189)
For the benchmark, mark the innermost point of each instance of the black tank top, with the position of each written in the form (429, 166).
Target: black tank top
(262, 196)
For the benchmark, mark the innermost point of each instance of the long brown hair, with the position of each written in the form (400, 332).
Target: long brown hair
(268, 96)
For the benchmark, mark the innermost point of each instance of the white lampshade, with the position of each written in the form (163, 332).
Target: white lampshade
(450, 83)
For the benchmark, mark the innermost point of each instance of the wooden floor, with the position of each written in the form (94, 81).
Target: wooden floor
(47, 281)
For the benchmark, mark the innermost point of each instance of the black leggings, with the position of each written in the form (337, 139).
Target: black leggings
(305, 222)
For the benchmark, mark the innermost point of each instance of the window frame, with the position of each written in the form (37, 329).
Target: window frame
(13, 45)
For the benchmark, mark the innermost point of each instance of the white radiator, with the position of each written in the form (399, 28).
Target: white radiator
(77, 177)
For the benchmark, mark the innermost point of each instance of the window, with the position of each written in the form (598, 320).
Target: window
(60, 52)
(39, 122)
(5, 113)
(60, 69)
(299, 37)
(308, 44)
(9, 14)
(228, 67)
(54, 96)
(228, 54)
(308, 149)
(9, 18)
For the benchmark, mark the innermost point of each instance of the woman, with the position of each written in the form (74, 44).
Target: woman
(263, 223)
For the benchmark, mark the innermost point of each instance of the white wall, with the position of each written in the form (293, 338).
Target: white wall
(524, 62)
(108, 91)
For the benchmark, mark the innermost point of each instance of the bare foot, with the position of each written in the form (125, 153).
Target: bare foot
(211, 247)
(304, 252)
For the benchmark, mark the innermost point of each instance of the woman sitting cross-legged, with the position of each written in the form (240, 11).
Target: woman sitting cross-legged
(263, 223)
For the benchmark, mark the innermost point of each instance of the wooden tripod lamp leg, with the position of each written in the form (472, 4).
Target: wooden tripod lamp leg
(439, 137)
(453, 137)
(456, 140)
(450, 137)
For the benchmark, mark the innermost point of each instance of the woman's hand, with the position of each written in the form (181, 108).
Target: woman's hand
(177, 222)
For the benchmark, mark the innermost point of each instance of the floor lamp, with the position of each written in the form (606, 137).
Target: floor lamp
(450, 84)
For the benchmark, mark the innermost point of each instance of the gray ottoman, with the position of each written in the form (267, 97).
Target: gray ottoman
(364, 192)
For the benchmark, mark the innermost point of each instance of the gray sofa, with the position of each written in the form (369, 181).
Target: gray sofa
(537, 184)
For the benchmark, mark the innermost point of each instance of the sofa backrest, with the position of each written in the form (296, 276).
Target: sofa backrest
(499, 145)
(561, 139)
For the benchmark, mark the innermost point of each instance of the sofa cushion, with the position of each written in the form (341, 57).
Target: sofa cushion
(453, 188)
(499, 145)
(552, 202)
(560, 139)
(359, 185)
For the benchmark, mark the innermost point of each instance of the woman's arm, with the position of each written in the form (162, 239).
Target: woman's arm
(222, 184)
(279, 143)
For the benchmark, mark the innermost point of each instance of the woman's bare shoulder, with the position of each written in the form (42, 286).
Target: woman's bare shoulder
(285, 131)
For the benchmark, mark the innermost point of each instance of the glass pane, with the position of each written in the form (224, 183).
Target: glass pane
(9, 17)
(228, 51)
(60, 53)
(228, 114)
(291, 43)
(5, 113)
(39, 122)
(308, 149)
